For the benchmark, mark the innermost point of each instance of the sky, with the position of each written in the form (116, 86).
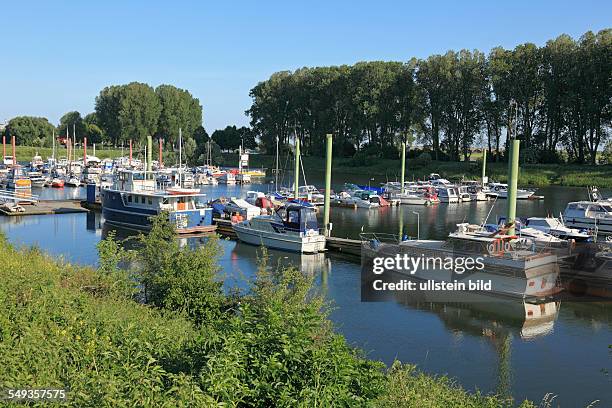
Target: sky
(57, 56)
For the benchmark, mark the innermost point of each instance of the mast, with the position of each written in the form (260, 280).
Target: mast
(180, 158)
(276, 169)
(53, 151)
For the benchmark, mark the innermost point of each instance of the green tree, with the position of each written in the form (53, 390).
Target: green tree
(72, 122)
(30, 131)
(139, 112)
(179, 109)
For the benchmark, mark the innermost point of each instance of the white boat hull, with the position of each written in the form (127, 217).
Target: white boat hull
(286, 242)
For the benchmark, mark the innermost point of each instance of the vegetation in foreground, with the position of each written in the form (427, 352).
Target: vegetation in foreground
(537, 175)
(186, 342)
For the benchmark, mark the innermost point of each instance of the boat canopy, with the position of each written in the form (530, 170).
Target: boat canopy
(299, 217)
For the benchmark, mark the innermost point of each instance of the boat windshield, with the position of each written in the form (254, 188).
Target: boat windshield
(309, 219)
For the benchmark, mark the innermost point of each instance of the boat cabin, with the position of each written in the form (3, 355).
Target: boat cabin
(299, 218)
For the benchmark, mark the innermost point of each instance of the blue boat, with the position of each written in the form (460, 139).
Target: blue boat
(134, 198)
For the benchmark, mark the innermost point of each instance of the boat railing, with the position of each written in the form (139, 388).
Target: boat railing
(18, 196)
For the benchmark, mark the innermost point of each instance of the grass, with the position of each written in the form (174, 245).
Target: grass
(25, 153)
(61, 327)
(537, 175)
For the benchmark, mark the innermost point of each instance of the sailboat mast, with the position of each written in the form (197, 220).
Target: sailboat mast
(276, 170)
(180, 158)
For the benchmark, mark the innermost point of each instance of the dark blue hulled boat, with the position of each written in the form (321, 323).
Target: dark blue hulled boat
(133, 199)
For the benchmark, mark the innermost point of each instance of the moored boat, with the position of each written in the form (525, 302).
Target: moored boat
(292, 228)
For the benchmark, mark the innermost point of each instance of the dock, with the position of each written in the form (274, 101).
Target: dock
(46, 207)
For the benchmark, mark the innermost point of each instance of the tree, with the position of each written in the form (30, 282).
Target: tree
(30, 131)
(72, 122)
(139, 112)
(228, 138)
(179, 109)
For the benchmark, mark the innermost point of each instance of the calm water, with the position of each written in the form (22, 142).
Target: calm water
(490, 347)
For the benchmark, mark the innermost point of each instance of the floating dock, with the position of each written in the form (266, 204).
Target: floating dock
(46, 207)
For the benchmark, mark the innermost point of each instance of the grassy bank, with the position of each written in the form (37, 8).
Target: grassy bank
(537, 175)
(190, 344)
(25, 153)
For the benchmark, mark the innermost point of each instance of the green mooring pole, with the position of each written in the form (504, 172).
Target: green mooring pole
(296, 183)
(328, 167)
(513, 169)
(484, 166)
(149, 154)
(403, 165)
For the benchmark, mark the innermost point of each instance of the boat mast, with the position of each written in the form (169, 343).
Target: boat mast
(276, 170)
(180, 158)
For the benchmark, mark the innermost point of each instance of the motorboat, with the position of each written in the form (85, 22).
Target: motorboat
(133, 199)
(227, 178)
(447, 194)
(242, 207)
(358, 199)
(501, 191)
(464, 195)
(37, 162)
(292, 228)
(311, 194)
(556, 227)
(512, 266)
(252, 196)
(57, 182)
(72, 181)
(37, 179)
(17, 179)
(595, 216)
(475, 190)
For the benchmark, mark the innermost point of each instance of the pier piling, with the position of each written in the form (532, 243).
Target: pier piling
(296, 182)
(513, 170)
(328, 167)
(403, 166)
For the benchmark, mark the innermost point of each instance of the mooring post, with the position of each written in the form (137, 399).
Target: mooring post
(161, 156)
(513, 170)
(484, 167)
(328, 167)
(403, 165)
(296, 182)
(149, 154)
(14, 151)
(84, 151)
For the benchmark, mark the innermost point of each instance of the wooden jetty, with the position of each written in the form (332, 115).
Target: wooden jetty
(46, 207)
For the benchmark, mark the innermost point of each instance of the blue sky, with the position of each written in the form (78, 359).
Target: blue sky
(57, 56)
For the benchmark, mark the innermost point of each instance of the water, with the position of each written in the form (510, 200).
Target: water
(488, 347)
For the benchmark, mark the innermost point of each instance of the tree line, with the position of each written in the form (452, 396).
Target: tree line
(555, 98)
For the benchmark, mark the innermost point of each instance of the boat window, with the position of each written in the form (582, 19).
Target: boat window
(150, 201)
(165, 201)
(129, 198)
(142, 199)
(310, 219)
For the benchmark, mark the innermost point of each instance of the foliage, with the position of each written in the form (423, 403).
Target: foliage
(552, 97)
(30, 130)
(232, 137)
(272, 345)
(179, 109)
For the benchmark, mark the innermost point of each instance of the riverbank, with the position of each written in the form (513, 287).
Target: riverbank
(536, 175)
(73, 327)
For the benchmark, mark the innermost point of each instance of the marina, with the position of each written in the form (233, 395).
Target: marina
(463, 338)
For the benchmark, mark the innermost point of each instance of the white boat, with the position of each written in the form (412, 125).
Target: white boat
(596, 216)
(501, 191)
(37, 179)
(476, 191)
(72, 181)
(17, 179)
(448, 194)
(252, 196)
(242, 207)
(243, 178)
(555, 227)
(311, 194)
(227, 178)
(293, 228)
(359, 199)
(8, 161)
(464, 195)
(513, 268)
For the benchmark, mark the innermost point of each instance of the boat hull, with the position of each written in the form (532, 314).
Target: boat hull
(285, 242)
